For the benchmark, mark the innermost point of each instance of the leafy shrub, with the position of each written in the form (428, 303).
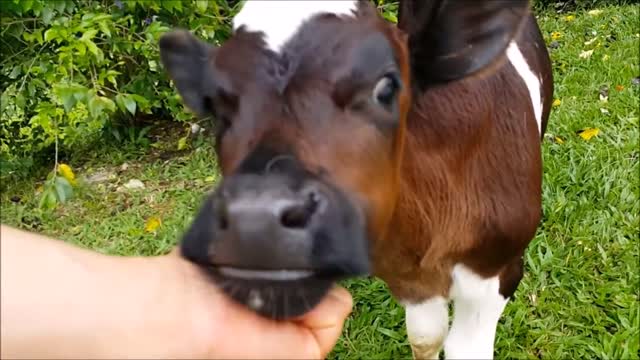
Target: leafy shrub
(72, 68)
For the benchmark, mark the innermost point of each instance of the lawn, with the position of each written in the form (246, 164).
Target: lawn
(579, 296)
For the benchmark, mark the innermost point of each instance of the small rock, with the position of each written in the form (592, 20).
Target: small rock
(124, 167)
(134, 184)
(554, 45)
(195, 128)
(636, 81)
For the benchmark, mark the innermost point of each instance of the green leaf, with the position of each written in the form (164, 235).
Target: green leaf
(130, 104)
(202, 5)
(20, 101)
(182, 143)
(47, 15)
(89, 34)
(59, 5)
(48, 199)
(126, 102)
(66, 96)
(97, 105)
(51, 34)
(27, 5)
(64, 190)
(15, 72)
(91, 46)
(104, 28)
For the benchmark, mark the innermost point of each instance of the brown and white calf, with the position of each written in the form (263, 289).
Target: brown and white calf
(349, 146)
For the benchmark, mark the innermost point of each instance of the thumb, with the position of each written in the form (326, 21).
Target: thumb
(326, 320)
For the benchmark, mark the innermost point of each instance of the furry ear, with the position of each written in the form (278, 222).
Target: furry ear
(451, 39)
(189, 62)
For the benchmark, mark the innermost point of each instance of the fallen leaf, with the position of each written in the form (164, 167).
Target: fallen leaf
(569, 18)
(559, 140)
(209, 179)
(134, 184)
(605, 57)
(195, 128)
(619, 87)
(67, 173)
(588, 133)
(556, 102)
(604, 111)
(124, 167)
(586, 54)
(182, 143)
(635, 81)
(589, 42)
(556, 35)
(594, 12)
(152, 224)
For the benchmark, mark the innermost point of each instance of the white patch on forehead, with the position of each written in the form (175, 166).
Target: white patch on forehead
(533, 83)
(280, 19)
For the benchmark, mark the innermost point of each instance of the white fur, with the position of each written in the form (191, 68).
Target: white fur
(533, 83)
(478, 306)
(280, 19)
(427, 325)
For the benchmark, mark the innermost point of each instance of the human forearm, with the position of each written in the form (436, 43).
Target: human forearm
(77, 303)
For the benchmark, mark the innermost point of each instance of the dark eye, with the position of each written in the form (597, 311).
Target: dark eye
(386, 90)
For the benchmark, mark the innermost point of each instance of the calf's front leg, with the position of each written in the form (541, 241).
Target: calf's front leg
(427, 324)
(477, 307)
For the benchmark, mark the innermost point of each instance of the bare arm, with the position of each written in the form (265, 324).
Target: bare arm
(59, 301)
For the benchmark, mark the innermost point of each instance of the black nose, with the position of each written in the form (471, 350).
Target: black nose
(273, 210)
(270, 227)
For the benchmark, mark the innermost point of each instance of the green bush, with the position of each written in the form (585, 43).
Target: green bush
(71, 69)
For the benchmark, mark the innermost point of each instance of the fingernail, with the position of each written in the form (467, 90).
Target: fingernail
(342, 295)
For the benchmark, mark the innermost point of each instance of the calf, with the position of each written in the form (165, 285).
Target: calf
(349, 146)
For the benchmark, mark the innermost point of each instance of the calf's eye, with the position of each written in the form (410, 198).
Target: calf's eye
(386, 90)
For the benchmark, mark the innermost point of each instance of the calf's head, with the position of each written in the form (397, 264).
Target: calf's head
(309, 138)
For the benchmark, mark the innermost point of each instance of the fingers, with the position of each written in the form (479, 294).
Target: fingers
(326, 320)
(312, 336)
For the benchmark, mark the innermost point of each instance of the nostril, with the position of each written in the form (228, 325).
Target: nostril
(298, 216)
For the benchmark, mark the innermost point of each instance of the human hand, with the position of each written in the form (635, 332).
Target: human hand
(217, 327)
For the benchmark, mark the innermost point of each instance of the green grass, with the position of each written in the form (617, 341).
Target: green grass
(579, 296)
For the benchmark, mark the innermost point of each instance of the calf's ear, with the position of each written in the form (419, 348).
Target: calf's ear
(189, 62)
(452, 39)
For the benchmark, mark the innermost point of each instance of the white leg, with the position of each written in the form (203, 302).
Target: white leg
(477, 306)
(427, 325)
